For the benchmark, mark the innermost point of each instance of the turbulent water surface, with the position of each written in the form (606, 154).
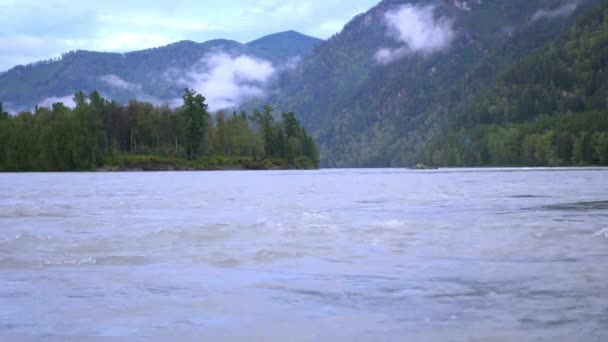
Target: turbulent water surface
(353, 255)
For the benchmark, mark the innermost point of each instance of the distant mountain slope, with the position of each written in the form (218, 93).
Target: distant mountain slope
(279, 47)
(366, 113)
(140, 74)
(549, 109)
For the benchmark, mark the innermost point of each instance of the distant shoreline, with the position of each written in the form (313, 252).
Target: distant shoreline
(280, 165)
(170, 168)
(142, 163)
(153, 163)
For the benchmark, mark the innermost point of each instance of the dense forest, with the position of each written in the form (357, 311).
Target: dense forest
(550, 109)
(99, 133)
(363, 113)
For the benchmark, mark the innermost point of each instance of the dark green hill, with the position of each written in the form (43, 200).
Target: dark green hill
(364, 113)
(279, 47)
(549, 109)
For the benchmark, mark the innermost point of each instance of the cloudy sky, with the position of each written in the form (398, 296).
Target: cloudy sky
(32, 30)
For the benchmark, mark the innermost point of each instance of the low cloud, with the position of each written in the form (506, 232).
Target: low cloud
(291, 64)
(133, 89)
(12, 109)
(227, 81)
(418, 30)
(562, 11)
(67, 101)
(117, 82)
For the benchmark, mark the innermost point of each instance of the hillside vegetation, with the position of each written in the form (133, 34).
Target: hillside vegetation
(366, 113)
(549, 109)
(99, 133)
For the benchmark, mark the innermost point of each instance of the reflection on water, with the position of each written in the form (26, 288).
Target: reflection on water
(352, 255)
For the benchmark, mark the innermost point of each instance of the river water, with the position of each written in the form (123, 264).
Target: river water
(331, 255)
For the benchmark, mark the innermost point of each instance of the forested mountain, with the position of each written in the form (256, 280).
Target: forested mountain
(147, 75)
(549, 109)
(375, 94)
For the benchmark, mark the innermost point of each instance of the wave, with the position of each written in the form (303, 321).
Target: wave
(117, 260)
(67, 262)
(24, 239)
(392, 224)
(193, 233)
(320, 216)
(267, 256)
(6, 213)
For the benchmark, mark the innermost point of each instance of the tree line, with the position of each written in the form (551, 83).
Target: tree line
(570, 139)
(97, 130)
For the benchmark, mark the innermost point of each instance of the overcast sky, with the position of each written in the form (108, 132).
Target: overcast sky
(34, 30)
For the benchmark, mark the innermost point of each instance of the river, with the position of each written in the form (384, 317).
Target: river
(329, 255)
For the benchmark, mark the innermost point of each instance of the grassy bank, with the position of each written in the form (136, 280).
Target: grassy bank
(124, 162)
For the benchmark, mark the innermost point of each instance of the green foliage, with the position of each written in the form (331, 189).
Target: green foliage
(196, 120)
(582, 151)
(364, 113)
(287, 140)
(503, 146)
(549, 109)
(569, 74)
(600, 146)
(98, 133)
(291, 126)
(266, 122)
(557, 140)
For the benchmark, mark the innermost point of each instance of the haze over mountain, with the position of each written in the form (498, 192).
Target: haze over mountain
(226, 71)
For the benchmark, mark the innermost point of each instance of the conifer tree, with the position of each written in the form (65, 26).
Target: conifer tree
(196, 119)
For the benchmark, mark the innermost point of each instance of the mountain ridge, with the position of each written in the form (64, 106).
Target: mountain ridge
(23, 86)
(216, 41)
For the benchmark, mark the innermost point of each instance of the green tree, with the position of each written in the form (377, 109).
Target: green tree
(528, 150)
(5, 130)
(97, 138)
(266, 122)
(291, 125)
(242, 138)
(600, 145)
(545, 151)
(583, 150)
(309, 149)
(65, 133)
(564, 147)
(504, 146)
(196, 119)
(293, 149)
(222, 134)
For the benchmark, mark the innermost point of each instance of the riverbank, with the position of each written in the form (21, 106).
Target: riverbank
(207, 163)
